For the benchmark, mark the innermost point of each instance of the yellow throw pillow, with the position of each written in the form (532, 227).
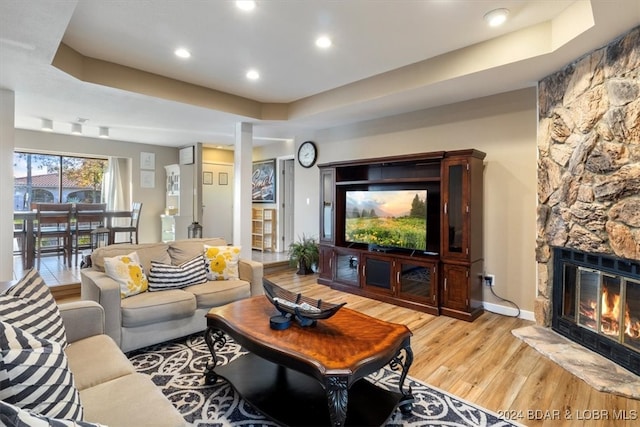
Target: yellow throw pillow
(222, 262)
(128, 272)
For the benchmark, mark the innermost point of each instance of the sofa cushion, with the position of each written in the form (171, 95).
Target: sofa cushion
(146, 253)
(34, 375)
(95, 360)
(30, 306)
(111, 403)
(165, 276)
(127, 271)
(215, 293)
(13, 416)
(157, 307)
(222, 262)
(183, 250)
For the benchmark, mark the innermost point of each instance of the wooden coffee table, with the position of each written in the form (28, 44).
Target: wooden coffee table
(311, 375)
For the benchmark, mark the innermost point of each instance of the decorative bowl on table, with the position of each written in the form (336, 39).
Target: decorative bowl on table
(306, 310)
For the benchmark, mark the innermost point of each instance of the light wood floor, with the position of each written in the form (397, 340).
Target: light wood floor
(484, 363)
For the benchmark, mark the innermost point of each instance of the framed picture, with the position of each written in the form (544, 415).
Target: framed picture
(186, 156)
(147, 161)
(207, 178)
(147, 179)
(263, 181)
(223, 178)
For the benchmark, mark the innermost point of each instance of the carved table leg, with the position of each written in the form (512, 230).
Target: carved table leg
(403, 360)
(213, 337)
(337, 397)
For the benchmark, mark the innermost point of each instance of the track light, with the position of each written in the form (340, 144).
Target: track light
(103, 132)
(47, 125)
(76, 129)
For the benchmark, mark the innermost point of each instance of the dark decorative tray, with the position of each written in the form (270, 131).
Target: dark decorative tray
(306, 310)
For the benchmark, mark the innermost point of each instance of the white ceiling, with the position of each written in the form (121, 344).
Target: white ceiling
(388, 57)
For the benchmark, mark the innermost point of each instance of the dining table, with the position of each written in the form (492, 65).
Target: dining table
(29, 218)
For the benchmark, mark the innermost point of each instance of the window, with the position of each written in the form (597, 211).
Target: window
(54, 178)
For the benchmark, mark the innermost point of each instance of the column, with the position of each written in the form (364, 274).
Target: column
(7, 143)
(243, 164)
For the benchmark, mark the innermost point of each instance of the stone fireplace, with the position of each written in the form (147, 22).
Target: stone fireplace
(589, 197)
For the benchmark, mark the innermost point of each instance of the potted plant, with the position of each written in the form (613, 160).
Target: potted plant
(304, 254)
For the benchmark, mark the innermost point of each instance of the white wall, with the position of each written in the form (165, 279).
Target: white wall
(153, 199)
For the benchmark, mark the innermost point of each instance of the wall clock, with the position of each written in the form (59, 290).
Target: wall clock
(307, 154)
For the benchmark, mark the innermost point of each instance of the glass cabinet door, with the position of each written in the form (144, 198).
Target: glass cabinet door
(418, 281)
(346, 270)
(455, 210)
(327, 204)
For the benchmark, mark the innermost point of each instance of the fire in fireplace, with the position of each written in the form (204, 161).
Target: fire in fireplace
(596, 302)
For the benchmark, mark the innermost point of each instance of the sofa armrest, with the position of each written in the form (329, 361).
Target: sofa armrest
(97, 286)
(82, 319)
(252, 272)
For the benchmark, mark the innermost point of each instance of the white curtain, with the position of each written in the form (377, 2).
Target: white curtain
(112, 189)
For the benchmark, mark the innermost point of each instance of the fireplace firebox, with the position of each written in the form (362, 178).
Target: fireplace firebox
(596, 303)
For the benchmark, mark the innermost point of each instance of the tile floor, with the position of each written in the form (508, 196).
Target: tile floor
(54, 271)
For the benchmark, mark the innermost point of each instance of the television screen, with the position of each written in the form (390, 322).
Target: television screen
(387, 218)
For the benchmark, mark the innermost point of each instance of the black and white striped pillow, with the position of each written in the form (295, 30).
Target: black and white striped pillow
(34, 375)
(17, 417)
(30, 306)
(164, 276)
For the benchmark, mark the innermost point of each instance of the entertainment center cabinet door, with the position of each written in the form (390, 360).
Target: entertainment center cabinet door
(418, 281)
(377, 274)
(455, 287)
(327, 205)
(325, 275)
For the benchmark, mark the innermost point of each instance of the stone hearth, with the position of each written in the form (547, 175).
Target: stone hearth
(595, 370)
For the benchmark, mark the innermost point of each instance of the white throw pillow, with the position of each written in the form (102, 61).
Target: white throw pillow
(128, 272)
(222, 262)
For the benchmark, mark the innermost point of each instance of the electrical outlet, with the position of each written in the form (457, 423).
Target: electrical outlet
(490, 279)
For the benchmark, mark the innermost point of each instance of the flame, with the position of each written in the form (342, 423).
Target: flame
(610, 309)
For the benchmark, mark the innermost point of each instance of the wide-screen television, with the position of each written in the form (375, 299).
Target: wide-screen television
(387, 218)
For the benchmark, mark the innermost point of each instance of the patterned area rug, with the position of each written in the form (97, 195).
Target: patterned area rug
(177, 367)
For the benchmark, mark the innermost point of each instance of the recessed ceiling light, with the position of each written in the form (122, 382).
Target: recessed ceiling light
(246, 5)
(323, 42)
(182, 53)
(496, 17)
(76, 129)
(253, 75)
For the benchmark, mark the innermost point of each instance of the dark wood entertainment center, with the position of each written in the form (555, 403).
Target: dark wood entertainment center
(446, 278)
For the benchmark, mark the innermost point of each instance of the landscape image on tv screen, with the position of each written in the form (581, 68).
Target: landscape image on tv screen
(388, 218)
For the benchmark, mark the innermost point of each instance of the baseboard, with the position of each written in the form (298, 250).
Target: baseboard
(508, 311)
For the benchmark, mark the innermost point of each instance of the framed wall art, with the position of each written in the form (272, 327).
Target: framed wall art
(263, 181)
(207, 178)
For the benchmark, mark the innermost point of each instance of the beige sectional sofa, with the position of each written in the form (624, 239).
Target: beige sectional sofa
(111, 391)
(153, 317)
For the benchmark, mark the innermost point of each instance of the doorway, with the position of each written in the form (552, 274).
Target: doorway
(217, 200)
(286, 211)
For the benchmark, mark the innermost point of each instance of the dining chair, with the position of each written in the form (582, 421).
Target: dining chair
(131, 229)
(20, 239)
(88, 218)
(53, 230)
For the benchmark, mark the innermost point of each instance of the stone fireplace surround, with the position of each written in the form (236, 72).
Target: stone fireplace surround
(589, 160)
